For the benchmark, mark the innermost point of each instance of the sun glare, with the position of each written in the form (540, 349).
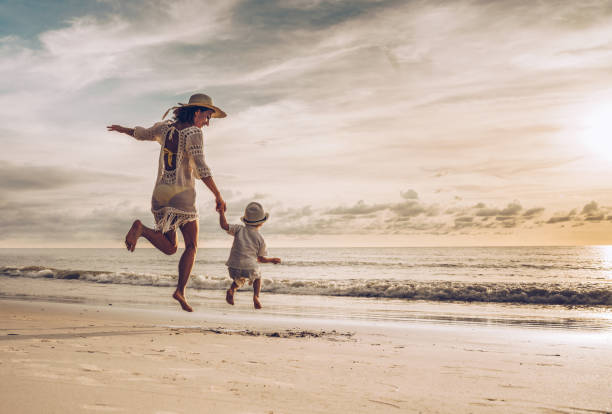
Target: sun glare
(598, 131)
(605, 256)
(605, 253)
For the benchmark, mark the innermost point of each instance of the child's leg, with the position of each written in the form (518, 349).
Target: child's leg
(229, 296)
(256, 290)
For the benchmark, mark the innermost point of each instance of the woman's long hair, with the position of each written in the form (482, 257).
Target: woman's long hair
(185, 114)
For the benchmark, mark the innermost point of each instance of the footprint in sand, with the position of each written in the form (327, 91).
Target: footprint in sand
(37, 365)
(47, 375)
(90, 368)
(102, 407)
(87, 381)
(137, 376)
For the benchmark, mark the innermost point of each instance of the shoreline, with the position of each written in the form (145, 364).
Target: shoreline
(322, 309)
(60, 357)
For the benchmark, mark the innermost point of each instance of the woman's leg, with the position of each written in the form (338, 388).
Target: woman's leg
(190, 236)
(164, 242)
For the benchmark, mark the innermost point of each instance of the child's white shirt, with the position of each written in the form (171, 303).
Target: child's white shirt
(248, 244)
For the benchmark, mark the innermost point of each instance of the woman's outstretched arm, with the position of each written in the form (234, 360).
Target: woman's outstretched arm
(122, 129)
(142, 134)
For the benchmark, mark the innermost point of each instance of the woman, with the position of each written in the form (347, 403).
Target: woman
(181, 160)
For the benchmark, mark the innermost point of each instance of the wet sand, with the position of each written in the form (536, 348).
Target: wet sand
(75, 358)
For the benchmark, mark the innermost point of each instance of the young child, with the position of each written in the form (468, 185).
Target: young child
(248, 250)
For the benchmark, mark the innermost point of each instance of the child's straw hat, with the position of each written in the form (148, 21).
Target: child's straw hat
(254, 214)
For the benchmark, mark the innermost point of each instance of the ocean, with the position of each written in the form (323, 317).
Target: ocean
(551, 287)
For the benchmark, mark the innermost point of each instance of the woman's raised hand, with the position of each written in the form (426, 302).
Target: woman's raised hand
(121, 129)
(117, 128)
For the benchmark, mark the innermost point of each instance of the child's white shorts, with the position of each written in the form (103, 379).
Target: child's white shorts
(240, 276)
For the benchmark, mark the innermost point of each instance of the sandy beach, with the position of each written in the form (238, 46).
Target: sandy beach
(417, 191)
(74, 358)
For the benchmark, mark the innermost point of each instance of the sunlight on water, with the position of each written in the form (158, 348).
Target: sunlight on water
(605, 253)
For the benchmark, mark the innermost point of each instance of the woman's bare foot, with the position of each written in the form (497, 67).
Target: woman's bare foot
(229, 297)
(256, 302)
(181, 299)
(132, 237)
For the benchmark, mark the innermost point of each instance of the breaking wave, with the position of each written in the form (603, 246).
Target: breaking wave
(529, 293)
(399, 264)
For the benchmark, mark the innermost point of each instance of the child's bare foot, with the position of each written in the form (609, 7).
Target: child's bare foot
(181, 299)
(132, 237)
(256, 302)
(229, 297)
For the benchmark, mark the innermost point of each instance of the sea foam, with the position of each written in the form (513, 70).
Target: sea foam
(437, 290)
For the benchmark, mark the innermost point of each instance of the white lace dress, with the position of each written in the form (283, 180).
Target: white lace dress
(174, 199)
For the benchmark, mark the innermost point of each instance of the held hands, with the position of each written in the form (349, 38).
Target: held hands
(220, 205)
(221, 210)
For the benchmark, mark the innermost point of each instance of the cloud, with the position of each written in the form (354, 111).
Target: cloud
(512, 209)
(410, 226)
(314, 225)
(36, 222)
(487, 212)
(590, 208)
(294, 213)
(533, 212)
(23, 177)
(322, 95)
(604, 48)
(93, 61)
(408, 209)
(562, 217)
(558, 219)
(463, 222)
(509, 168)
(359, 208)
(237, 202)
(33, 219)
(591, 212)
(413, 216)
(409, 195)
(595, 217)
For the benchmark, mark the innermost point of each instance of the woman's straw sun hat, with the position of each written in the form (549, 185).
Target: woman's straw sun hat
(201, 100)
(254, 214)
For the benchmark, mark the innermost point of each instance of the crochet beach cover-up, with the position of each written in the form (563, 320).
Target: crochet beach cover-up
(180, 163)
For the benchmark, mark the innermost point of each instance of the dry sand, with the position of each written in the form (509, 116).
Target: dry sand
(74, 358)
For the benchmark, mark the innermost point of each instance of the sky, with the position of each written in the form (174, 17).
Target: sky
(355, 123)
